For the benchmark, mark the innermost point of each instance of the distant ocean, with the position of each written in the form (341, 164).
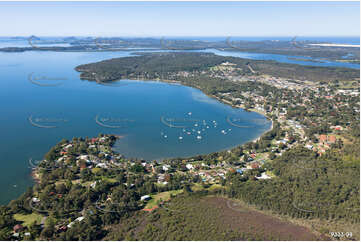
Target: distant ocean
(329, 39)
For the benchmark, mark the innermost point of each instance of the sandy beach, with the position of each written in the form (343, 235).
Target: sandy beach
(336, 45)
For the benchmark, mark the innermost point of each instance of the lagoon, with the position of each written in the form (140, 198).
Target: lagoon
(43, 101)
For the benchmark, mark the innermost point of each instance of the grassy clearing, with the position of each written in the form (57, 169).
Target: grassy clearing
(110, 180)
(163, 196)
(28, 219)
(270, 173)
(197, 187)
(348, 84)
(215, 187)
(96, 170)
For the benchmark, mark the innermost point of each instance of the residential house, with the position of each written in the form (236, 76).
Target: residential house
(18, 228)
(79, 219)
(263, 176)
(145, 198)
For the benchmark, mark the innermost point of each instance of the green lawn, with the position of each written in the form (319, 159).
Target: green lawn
(96, 170)
(270, 173)
(108, 179)
(164, 196)
(214, 187)
(347, 84)
(197, 187)
(28, 219)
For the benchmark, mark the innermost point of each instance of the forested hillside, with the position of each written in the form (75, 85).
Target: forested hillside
(156, 65)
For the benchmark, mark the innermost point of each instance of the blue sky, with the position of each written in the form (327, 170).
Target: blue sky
(180, 18)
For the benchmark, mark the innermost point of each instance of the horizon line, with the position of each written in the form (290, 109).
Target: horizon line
(227, 36)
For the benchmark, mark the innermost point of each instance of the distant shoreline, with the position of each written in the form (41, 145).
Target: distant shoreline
(336, 45)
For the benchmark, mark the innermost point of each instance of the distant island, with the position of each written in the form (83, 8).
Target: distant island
(293, 47)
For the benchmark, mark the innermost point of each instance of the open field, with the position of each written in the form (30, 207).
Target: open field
(163, 196)
(28, 219)
(198, 217)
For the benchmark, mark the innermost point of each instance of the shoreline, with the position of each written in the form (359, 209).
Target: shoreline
(36, 176)
(336, 45)
(223, 101)
(213, 97)
(250, 110)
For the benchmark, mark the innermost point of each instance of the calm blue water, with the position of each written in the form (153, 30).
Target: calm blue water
(328, 39)
(7, 42)
(138, 111)
(284, 59)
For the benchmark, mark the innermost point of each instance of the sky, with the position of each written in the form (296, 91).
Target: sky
(180, 18)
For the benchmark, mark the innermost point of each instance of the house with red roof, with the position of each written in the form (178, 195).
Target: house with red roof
(255, 165)
(18, 228)
(331, 139)
(323, 138)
